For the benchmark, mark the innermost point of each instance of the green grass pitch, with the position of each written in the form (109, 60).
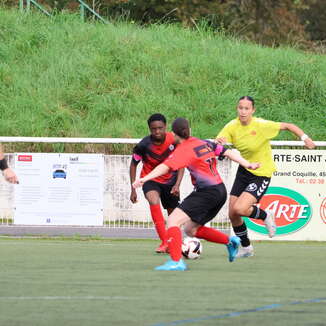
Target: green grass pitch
(94, 282)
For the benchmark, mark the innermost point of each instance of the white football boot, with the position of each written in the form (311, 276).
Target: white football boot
(270, 223)
(245, 251)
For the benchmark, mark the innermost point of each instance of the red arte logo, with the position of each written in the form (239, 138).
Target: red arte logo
(323, 210)
(25, 158)
(292, 211)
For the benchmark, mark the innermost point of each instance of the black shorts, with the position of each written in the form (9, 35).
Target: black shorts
(167, 199)
(248, 182)
(203, 204)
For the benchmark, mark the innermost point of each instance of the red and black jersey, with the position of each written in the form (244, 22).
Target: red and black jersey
(152, 155)
(199, 156)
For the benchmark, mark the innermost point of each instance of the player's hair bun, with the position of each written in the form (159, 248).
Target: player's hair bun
(180, 127)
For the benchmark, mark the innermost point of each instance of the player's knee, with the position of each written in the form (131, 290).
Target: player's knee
(190, 231)
(238, 210)
(153, 201)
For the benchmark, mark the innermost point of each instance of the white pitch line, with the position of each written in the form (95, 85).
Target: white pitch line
(107, 298)
(54, 243)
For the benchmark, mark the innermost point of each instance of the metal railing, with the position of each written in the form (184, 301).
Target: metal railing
(26, 5)
(78, 140)
(84, 7)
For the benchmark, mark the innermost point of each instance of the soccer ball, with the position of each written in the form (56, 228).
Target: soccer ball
(191, 248)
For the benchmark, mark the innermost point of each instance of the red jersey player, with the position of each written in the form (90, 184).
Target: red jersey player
(202, 205)
(153, 150)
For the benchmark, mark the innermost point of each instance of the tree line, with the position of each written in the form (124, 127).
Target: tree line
(300, 23)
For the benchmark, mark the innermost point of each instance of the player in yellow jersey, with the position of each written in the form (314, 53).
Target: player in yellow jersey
(251, 136)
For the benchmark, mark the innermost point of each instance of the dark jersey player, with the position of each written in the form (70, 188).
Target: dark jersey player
(202, 205)
(152, 151)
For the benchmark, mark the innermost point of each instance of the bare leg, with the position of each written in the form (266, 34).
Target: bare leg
(238, 207)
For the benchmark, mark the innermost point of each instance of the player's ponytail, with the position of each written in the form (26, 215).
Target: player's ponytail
(180, 127)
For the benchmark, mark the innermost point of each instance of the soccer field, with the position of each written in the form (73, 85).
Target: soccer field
(112, 282)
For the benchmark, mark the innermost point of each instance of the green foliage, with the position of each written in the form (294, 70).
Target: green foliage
(314, 17)
(268, 22)
(63, 77)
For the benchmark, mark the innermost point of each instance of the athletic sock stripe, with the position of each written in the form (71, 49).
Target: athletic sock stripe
(241, 233)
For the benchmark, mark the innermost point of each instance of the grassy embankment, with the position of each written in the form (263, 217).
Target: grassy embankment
(63, 77)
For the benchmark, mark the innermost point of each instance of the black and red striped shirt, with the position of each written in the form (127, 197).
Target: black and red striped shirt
(152, 155)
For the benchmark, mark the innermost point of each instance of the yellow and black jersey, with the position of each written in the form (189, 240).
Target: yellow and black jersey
(252, 141)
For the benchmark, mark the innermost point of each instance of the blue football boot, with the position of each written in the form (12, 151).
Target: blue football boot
(172, 265)
(233, 247)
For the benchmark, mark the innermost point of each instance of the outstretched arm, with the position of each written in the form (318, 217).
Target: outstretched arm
(299, 133)
(220, 140)
(236, 157)
(158, 171)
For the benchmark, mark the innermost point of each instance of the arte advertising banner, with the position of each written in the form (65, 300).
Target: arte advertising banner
(59, 189)
(297, 196)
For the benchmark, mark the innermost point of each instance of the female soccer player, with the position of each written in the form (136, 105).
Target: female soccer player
(153, 150)
(251, 136)
(202, 205)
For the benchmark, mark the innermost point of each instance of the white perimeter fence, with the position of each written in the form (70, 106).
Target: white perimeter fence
(119, 212)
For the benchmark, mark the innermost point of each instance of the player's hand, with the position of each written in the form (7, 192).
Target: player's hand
(10, 175)
(220, 140)
(138, 183)
(133, 196)
(309, 143)
(253, 166)
(175, 190)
